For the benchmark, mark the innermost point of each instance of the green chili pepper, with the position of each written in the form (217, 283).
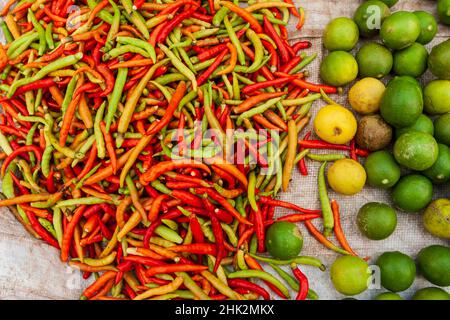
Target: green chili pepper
(114, 100)
(49, 36)
(303, 260)
(57, 224)
(327, 213)
(325, 157)
(139, 43)
(79, 201)
(8, 36)
(179, 65)
(100, 141)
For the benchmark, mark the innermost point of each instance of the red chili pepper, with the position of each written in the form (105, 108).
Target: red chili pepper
(143, 260)
(314, 87)
(303, 281)
(196, 228)
(301, 45)
(244, 284)
(286, 68)
(281, 48)
(210, 53)
(202, 17)
(208, 72)
(319, 144)
(187, 197)
(299, 217)
(287, 205)
(39, 84)
(265, 84)
(171, 268)
(218, 234)
(109, 79)
(224, 203)
(40, 230)
(168, 27)
(196, 248)
(260, 230)
(31, 148)
(171, 108)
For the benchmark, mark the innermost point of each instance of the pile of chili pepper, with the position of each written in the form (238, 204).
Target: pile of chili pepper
(97, 99)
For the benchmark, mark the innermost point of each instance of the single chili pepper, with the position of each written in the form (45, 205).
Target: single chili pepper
(208, 72)
(281, 48)
(328, 220)
(68, 233)
(340, 236)
(287, 205)
(175, 268)
(166, 166)
(322, 239)
(197, 248)
(319, 144)
(304, 283)
(299, 217)
(239, 283)
(98, 284)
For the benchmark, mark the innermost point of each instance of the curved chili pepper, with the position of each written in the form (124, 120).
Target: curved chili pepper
(32, 148)
(109, 79)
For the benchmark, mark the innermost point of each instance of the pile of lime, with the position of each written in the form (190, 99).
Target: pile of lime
(405, 125)
(397, 272)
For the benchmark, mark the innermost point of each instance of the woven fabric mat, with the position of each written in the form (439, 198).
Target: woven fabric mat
(29, 269)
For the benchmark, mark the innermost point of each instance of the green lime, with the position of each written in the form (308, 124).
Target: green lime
(377, 221)
(339, 68)
(439, 60)
(369, 16)
(436, 218)
(388, 296)
(428, 25)
(390, 3)
(341, 34)
(400, 30)
(444, 11)
(374, 60)
(439, 173)
(411, 80)
(350, 275)
(437, 97)
(382, 170)
(284, 240)
(411, 61)
(416, 150)
(412, 193)
(434, 264)
(398, 271)
(431, 293)
(402, 103)
(423, 124)
(442, 129)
